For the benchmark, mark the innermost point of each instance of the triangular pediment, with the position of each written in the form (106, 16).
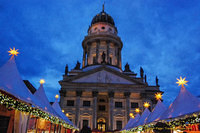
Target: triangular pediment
(105, 76)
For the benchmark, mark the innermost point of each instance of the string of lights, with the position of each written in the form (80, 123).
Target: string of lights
(11, 103)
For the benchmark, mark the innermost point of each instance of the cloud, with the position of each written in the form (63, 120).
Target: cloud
(160, 36)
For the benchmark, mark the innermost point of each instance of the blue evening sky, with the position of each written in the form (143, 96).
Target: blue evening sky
(162, 36)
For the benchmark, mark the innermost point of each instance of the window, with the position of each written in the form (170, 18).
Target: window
(70, 102)
(111, 60)
(85, 123)
(134, 105)
(86, 103)
(103, 28)
(119, 125)
(94, 59)
(102, 100)
(118, 104)
(102, 108)
(110, 29)
(95, 28)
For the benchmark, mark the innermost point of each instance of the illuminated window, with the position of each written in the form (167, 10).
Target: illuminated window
(118, 104)
(101, 124)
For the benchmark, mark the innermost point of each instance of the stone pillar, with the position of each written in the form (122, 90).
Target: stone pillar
(120, 63)
(88, 51)
(118, 57)
(111, 107)
(84, 56)
(108, 53)
(78, 97)
(62, 96)
(94, 119)
(127, 96)
(97, 50)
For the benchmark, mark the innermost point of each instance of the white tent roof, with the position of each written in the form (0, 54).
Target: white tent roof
(12, 83)
(185, 103)
(143, 117)
(131, 122)
(158, 110)
(40, 94)
(57, 108)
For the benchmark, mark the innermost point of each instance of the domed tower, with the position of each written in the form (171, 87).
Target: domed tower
(102, 44)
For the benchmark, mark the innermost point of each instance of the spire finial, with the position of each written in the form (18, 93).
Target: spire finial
(13, 52)
(103, 7)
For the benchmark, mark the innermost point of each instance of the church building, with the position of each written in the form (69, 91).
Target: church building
(99, 93)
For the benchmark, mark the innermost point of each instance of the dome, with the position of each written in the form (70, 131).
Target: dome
(103, 17)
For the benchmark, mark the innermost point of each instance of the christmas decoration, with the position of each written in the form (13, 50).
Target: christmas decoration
(181, 81)
(146, 104)
(158, 96)
(13, 52)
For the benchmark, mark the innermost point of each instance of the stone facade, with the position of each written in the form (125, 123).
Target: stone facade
(99, 94)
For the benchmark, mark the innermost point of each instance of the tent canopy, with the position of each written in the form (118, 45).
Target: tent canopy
(143, 117)
(157, 112)
(57, 108)
(40, 94)
(131, 122)
(185, 103)
(12, 83)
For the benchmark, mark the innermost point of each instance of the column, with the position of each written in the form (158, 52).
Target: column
(84, 56)
(120, 63)
(94, 119)
(97, 50)
(127, 96)
(78, 97)
(108, 47)
(88, 51)
(111, 107)
(118, 57)
(62, 96)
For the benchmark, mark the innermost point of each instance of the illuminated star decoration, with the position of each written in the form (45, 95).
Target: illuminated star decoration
(42, 81)
(158, 96)
(13, 52)
(131, 115)
(146, 104)
(57, 96)
(137, 110)
(181, 81)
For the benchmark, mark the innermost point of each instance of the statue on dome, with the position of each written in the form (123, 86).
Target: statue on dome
(127, 68)
(103, 57)
(141, 72)
(77, 67)
(145, 78)
(157, 81)
(66, 70)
